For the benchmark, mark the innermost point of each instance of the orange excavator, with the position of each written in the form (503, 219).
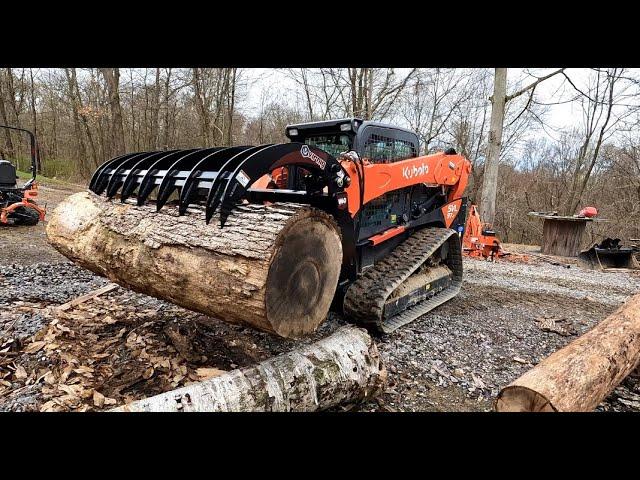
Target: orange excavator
(479, 240)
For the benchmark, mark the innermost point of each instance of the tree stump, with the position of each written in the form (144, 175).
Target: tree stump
(562, 236)
(274, 267)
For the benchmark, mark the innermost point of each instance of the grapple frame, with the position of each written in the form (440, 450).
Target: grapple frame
(219, 177)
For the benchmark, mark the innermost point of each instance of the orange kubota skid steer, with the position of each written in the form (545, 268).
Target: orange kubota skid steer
(401, 215)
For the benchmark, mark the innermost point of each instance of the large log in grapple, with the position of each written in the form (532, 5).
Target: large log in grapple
(397, 217)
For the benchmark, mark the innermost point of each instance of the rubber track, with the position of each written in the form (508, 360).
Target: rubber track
(366, 297)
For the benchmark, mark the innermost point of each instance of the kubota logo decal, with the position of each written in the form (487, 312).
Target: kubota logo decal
(413, 171)
(306, 152)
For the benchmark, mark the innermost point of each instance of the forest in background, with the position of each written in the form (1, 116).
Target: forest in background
(83, 117)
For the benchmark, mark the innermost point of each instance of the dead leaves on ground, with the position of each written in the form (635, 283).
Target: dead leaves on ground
(547, 324)
(102, 353)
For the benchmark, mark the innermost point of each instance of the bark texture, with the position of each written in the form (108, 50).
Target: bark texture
(494, 145)
(274, 267)
(579, 376)
(342, 368)
(562, 237)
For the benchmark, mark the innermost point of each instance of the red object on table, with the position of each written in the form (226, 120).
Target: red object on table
(588, 212)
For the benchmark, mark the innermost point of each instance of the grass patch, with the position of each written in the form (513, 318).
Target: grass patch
(43, 180)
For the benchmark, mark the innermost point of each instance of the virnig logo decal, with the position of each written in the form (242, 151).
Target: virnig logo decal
(306, 152)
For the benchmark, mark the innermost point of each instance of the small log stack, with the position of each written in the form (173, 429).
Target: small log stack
(579, 376)
(274, 268)
(344, 367)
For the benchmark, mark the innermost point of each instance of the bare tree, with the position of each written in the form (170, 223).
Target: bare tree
(498, 101)
(597, 107)
(112, 80)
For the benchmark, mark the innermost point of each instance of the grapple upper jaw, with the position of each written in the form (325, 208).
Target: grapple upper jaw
(216, 177)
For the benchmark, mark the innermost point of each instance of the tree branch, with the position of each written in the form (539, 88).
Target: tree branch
(533, 85)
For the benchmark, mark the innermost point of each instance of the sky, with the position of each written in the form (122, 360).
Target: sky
(276, 83)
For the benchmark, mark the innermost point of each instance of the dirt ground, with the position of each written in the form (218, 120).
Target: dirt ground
(122, 346)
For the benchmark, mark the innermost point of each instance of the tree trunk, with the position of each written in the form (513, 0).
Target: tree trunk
(492, 161)
(5, 120)
(274, 268)
(34, 119)
(581, 375)
(342, 368)
(112, 80)
(82, 151)
(155, 114)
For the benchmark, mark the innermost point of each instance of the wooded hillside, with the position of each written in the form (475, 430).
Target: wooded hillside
(83, 117)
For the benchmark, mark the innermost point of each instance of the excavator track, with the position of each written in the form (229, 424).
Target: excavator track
(408, 282)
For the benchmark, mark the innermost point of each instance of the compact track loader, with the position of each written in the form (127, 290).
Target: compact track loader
(400, 215)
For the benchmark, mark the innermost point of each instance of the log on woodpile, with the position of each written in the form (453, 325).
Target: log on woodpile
(273, 267)
(579, 376)
(344, 367)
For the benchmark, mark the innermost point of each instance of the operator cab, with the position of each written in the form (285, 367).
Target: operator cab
(375, 141)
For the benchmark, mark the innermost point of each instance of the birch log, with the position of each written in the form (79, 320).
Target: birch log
(274, 267)
(344, 367)
(579, 376)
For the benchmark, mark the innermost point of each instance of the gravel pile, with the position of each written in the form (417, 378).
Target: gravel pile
(459, 356)
(26, 288)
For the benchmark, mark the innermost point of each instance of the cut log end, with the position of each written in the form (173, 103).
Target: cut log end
(303, 274)
(522, 399)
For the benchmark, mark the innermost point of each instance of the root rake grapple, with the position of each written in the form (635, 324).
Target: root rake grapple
(368, 176)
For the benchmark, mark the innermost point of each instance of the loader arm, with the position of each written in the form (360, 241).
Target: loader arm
(440, 169)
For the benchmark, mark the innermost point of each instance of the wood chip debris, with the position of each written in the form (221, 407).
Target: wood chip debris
(102, 352)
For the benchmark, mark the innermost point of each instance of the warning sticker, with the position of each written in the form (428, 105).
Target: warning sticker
(243, 178)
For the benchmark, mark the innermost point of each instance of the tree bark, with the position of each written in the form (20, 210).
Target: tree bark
(581, 375)
(342, 368)
(562, 237)
(492, 161)
(5, 119)
(274, 267)
(112, 80)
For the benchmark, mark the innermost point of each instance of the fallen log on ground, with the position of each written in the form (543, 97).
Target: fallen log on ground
(344, 367)
(274, 267)
(579, 376)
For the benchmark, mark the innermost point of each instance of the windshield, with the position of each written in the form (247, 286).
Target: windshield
(333, 143)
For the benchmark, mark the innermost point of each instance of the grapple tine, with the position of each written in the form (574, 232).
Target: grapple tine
(265, 160)
(117, 175)
(217, 187)
(101, 169)
(205, 165)
(129, 184)
(147, 184)
(101, 178)
(168, 183)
